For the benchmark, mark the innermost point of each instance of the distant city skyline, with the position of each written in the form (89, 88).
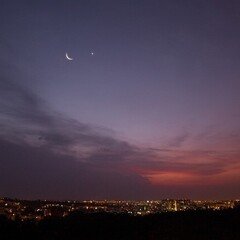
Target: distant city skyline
(130, 99)
(38, 210)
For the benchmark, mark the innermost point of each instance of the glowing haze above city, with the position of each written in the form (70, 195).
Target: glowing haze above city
(120, 99)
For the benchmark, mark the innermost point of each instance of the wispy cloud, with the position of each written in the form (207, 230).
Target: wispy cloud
(47, 154)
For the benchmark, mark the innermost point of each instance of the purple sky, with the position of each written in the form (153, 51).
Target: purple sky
(153, 113)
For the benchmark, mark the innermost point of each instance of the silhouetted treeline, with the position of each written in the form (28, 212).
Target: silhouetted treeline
(195, 225)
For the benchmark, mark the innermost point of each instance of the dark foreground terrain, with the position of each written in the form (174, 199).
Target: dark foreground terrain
(217, 225)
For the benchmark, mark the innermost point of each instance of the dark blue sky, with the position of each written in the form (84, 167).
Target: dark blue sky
(158, 102)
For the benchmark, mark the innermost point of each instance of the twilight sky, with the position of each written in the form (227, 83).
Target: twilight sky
(153, 113)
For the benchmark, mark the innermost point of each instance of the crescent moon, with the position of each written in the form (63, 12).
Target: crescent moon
(68, 58)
